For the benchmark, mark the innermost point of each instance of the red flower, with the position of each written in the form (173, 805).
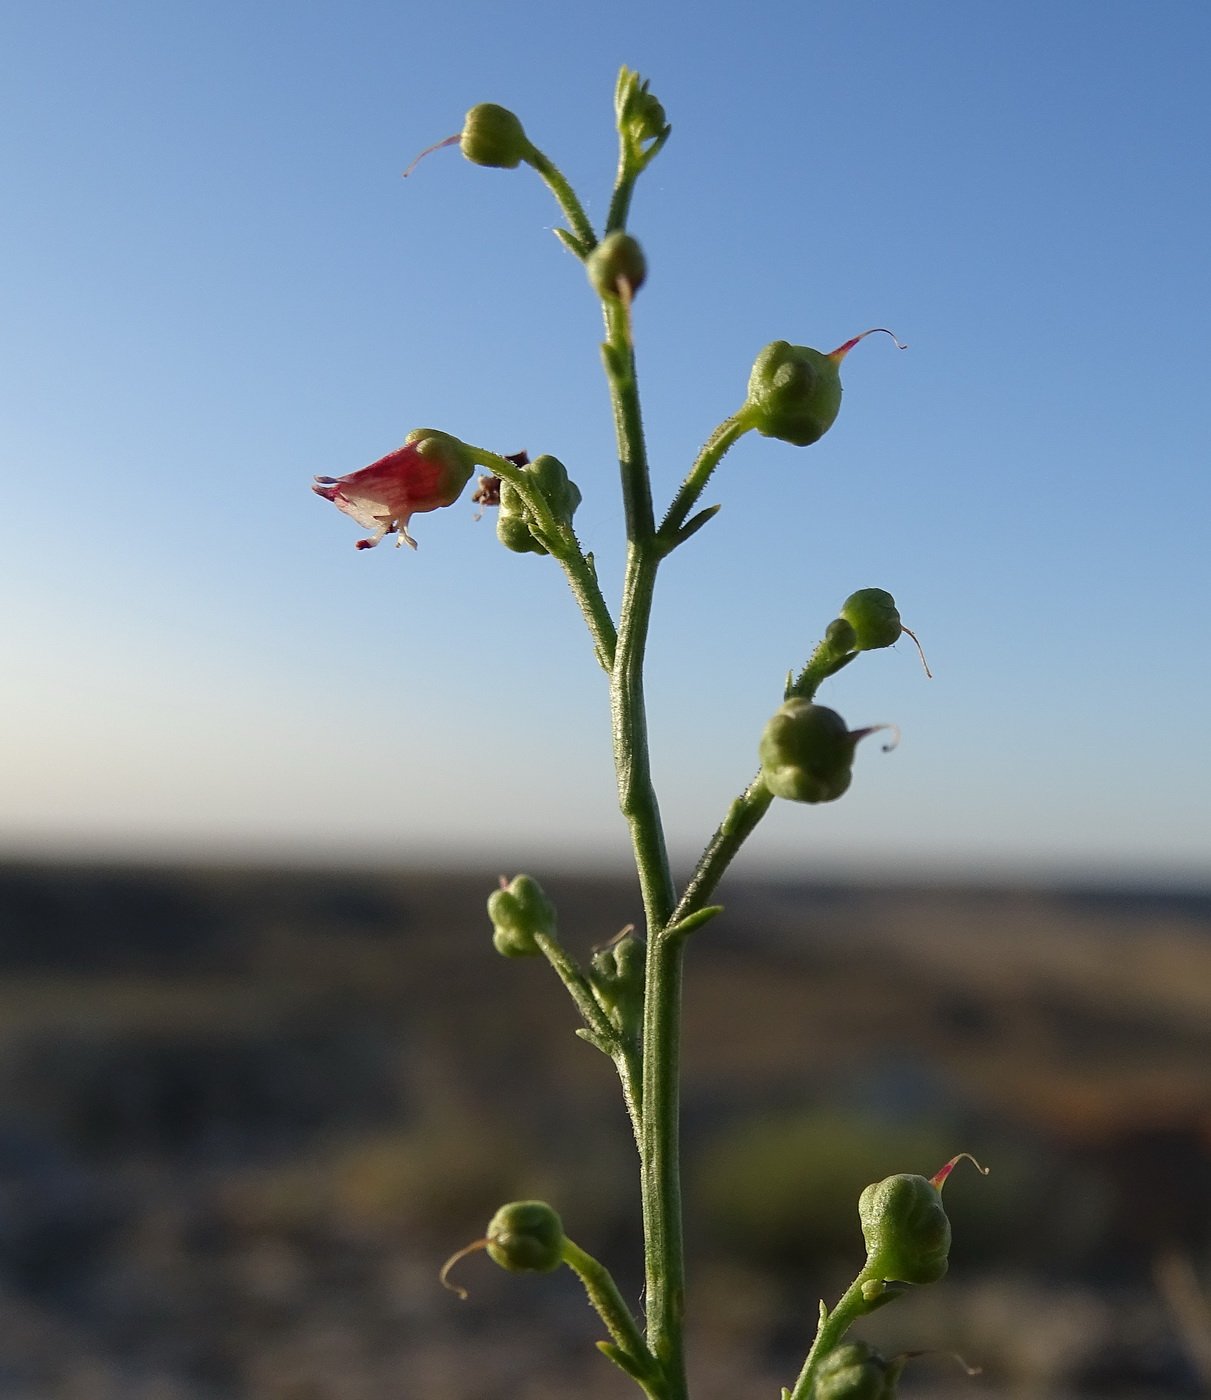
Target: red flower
(429, 471)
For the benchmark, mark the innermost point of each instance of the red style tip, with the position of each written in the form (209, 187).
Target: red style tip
(437, 146)
(939, 1180)
(842, 350)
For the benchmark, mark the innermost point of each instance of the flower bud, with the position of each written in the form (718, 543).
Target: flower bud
(873, 615)
(493, 136)
(526, 1237)
(518, 911)
(794, 392)
(562, 495)
(807, 753)
(617, 975)
(617, 267)
(840, 637)
(640, 116)
(906, 1229)
(854, 1371)
(427, 472)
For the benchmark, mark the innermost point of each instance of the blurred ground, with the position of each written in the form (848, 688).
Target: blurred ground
(245, 1116)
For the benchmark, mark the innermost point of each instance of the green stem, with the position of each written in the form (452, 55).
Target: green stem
(700, 473)
(612, 1309)
(578, 988)
(565, 547)
(742, 817)
(664, 1265)
(566, 198)
(833, 1327)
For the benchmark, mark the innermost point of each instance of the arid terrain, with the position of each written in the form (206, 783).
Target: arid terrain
(245, 1116)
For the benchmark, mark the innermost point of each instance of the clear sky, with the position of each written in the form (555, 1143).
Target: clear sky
(215, 284)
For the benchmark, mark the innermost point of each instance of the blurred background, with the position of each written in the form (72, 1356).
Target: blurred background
(259, 1069)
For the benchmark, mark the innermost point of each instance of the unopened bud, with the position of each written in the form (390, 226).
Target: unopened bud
(617, 975)
(640, 116)
(526, 1237)
(873, 615)
(807, 753)
(794, 392)
(855, 1371)
(906, 1229)
(617, 267)
(562, 495)
(518, 911)
(493, 136)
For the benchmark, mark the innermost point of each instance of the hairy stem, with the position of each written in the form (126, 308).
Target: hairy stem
(700, 473)
(742, 817)
(664, 1265)
(566, 198)
(833, 1327)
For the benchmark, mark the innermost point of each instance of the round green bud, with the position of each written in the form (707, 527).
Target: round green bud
(872, 613)
(526, 1237)
(840, 637)
(906, 1230)
(617, 258)
(515, 525)
(617, 975)
(794, 393)
(807, 753)
(513, 531)
(519, 911)
(493, 136)
(853, 1371)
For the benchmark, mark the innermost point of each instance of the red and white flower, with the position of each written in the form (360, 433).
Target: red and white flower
(428, 471)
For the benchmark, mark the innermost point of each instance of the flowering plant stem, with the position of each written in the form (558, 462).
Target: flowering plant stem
(794, 394)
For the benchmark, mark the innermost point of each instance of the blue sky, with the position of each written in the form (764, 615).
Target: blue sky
(216, 285)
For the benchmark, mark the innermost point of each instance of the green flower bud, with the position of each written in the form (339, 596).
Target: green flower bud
(807, 753)
(618, 258)
(526, 1237)
(640, 116)
(518, 911)
(840, 637)
(906, 1230)
(562, 495)
(855, 1371)
(794, 392)
(873, 615)
(617, 975)
(493, 136)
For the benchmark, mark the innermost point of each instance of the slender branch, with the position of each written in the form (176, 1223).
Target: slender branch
(708, 459)
(833, 1327)
(578, 988)
(742, 817)
(566, 548)
(613, 1311)
(566, 198)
